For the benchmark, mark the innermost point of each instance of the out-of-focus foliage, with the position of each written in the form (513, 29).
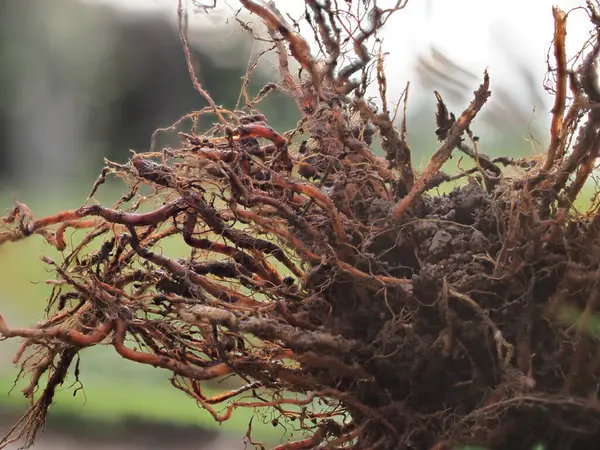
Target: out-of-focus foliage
(82, 81)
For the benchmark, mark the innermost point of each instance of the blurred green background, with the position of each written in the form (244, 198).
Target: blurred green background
(81, 81)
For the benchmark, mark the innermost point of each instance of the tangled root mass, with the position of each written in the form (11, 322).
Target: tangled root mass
(325, 282)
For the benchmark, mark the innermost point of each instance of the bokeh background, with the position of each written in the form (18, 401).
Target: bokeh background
(84, 80)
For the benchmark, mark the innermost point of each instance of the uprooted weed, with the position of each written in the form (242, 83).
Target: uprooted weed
(324, 279)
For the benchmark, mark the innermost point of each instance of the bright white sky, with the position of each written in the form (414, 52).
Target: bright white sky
(474, 33)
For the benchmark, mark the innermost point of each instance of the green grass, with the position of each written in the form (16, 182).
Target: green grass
(111, 400)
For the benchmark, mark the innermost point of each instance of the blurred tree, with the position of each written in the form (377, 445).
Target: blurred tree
(80, 82)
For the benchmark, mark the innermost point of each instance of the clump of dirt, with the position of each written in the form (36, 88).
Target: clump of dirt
(325, 284)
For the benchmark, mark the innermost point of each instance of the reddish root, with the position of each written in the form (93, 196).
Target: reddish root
(192, 372)
(134, 219)
(69, 336)
(78, 224)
